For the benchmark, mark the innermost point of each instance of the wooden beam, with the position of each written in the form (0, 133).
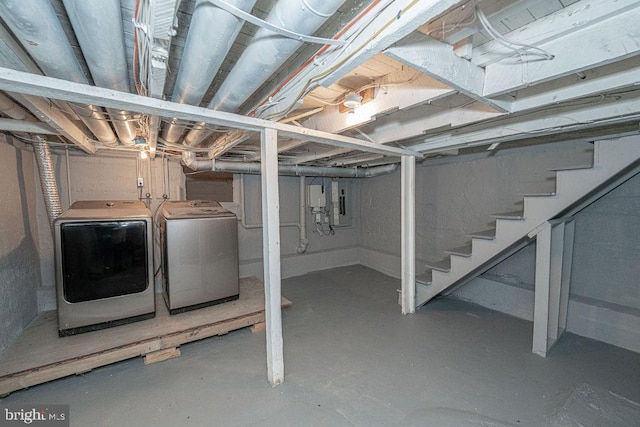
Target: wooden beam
(271, 255)
(602, 80)
(549, 122)
(30, 84)
(389, 25)
(595, 46)
(408, 234)
(11, 125)
(437, 60)
(389, 96)
(553, 26)
(51, 115)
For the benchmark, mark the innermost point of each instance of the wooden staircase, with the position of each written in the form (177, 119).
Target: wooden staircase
(615, 161)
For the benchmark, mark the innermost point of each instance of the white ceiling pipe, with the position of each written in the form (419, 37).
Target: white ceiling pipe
(266, 52)
(211, 34)
(37, 28)
(98, 26)
(190, 161)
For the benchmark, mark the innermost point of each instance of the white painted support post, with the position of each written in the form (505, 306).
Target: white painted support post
(271, 255)
(554, 251)
(408, 230)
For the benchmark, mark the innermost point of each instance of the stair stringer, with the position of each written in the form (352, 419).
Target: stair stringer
(615, 161)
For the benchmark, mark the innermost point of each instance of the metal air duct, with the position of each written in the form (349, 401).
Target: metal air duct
(98, 26)
(211, 34)
(190, 161)
(36, 26)
(266, 52)
(47, 179)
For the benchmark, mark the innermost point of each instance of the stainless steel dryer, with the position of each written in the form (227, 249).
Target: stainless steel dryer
(104, 269)
(199, 242)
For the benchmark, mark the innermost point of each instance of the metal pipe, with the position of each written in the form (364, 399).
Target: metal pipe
(98, 26)
(37, 28)
(47, 179)
(211, 34)
(190, 161)
(266, 52)
(304, 242)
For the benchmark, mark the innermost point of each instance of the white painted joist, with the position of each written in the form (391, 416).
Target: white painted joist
(398, 90)
(612, 40)
(31, 84)
(437, 60)
(11, 125)
(568, 20)
(552, 121)
(603, 80)
(426, 119)
(48, 113)
(388, 26)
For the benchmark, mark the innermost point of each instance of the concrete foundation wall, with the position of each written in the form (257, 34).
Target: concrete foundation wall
(19, 272)
(456, 196)
(324, 250)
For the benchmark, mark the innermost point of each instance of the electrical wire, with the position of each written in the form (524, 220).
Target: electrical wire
(523, 49)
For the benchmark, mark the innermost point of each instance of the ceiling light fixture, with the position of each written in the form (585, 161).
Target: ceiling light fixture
(352, 101)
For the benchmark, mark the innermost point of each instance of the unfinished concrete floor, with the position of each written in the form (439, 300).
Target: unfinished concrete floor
(352, 359)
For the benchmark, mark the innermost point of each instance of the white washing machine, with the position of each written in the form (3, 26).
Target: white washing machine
(199, 242)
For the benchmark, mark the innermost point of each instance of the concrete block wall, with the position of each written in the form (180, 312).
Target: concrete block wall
(455, 196)
(19, 259)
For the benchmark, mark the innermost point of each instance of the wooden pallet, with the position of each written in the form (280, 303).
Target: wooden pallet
(39, 355)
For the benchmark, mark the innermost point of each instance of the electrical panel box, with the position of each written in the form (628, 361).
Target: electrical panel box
(340, 212)
(316, 198)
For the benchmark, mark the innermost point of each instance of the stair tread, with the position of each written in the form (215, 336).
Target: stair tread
(571, 168)
(442, 265)
(425, 278)
(489, 234)
(464, 250)
(509, 215)
(540, 194)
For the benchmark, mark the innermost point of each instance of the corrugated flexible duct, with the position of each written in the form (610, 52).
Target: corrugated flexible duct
(211, 34)
(265, 54)
(190, 161)
(98, 26)
(47, 179)
(36, 26)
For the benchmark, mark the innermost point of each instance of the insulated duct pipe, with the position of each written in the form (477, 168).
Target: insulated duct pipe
(266, 52)
(211, 34)
(304, 242)
(47, 179)
(36, 26)
(189, 160)
(98, 26)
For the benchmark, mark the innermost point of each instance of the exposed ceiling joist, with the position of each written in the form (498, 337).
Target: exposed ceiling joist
(30, 84)
(48, 113)
(570, 19)
(594, 46)
(437, 59)
(619, 109)
(12, 125)
(600, 81)
(390, 95)
(388, 26)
